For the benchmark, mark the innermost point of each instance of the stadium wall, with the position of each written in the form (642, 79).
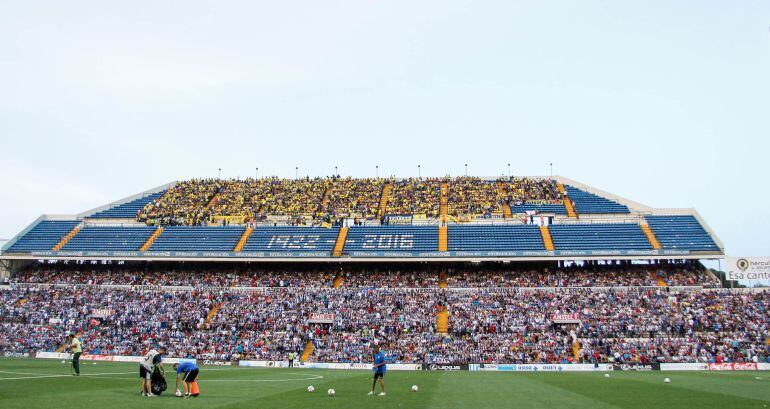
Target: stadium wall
(604, 367)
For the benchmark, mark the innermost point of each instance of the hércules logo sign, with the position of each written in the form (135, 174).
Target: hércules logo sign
(747, 268)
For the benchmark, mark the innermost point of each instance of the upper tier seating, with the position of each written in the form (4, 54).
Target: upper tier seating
(392, 238)
(350, 196)
(415, 196)
(44, 236)
(109, 238)
(681, 233)
(126, 210)
(589, 203)
(599, 237)
(198, 238)
(472, 195)
(292, 239)
(491, 238)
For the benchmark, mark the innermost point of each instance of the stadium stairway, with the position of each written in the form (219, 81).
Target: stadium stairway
(444, 201)
(339, 245)
(568, 205)
(507, 214)
(442, 283)
(576, 351)
(338, 280)
(212, 314)
(64, 240)
(650, 235)
(151, 239)
(545, 233)
(658, 279)
(384, 197)
(443, 238)
(212, 201)
(327, 194)
(309, 348)
(244, 238)
(442, 321)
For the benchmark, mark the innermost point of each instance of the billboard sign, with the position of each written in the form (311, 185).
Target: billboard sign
(747, 268)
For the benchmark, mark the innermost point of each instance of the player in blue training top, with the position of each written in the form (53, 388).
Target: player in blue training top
(187, 372)
(379, 369)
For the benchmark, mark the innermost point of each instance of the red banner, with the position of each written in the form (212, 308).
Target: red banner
(733, 366)
(318, 318)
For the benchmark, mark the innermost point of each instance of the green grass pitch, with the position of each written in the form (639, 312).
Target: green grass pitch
(29, 383)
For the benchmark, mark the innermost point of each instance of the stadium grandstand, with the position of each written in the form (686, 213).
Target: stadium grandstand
(466, 270)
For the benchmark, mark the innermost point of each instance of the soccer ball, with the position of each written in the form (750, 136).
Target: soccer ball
(178, 393)
(62, 361)
(311, 389)
(330, 392)
(667, 380)
(414, 388)
(606, 375)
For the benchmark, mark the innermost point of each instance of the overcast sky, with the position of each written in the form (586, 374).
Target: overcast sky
(666, 104)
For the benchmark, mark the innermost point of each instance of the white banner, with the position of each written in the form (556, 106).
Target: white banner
(327, 365)
(108, 358)
(747, 268)
(545, 367)
(52, 355)
(566, 318)
(684, 367)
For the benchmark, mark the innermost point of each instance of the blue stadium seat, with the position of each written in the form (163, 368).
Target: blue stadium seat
(44, 236)
(599, 237)
(589, 203)
(392, 238)
(109, 238)
(494, 238)
(681, 233)
(126, 210)
(198, 238)
(292, 239)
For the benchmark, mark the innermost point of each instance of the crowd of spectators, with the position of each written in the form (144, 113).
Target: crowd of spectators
(207, 201)
(368, 276)
(182, 204)
(355, 197)
(215, 201)
(485, 325)
(472, 195)
(520, 190)
(415, 196)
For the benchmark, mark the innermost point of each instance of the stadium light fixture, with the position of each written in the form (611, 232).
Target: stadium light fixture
(466, 169)
(296, 171)
(256, 173)
(377, 171)
(551, 165)
(509, 170)
(419, 172)
(219, 175)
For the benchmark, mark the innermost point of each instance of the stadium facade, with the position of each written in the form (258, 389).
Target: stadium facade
(579, 222)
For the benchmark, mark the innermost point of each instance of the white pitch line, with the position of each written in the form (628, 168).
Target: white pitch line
(312, 378)
(41, 376)
(44, 376)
